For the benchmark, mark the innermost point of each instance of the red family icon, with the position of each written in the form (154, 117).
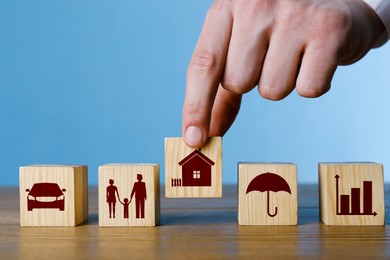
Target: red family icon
(139, 192)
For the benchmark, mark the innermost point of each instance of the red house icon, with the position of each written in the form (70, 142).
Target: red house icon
(196, 169)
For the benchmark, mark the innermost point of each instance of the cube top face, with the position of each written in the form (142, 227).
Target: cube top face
(193, 173)
(129, 195)
(267, 194)
(54, 166)
(352, 193)
(53, 195)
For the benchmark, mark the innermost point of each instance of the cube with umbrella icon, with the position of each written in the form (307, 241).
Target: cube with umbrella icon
(267, 194)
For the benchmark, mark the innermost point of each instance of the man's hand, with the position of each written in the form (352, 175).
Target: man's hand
(278, 45)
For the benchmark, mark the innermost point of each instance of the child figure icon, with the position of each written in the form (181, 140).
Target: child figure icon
(125, 204)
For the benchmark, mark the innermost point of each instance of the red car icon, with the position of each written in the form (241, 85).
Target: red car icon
(45, 196)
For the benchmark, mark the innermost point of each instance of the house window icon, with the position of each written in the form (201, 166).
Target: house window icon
(196, 174)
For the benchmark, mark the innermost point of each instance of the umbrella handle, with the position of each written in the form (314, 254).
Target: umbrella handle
(276, 208)
(273, 215)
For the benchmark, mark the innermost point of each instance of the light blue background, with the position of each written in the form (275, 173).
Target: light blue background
(94, 82)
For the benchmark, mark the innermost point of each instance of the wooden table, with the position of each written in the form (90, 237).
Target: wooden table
(194, 229)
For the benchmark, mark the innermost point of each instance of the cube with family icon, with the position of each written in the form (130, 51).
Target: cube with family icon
(129, 195)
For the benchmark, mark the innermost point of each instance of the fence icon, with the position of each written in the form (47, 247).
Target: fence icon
(176, 182)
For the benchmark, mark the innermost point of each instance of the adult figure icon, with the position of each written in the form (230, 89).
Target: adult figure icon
(139, 190)
(111, 194)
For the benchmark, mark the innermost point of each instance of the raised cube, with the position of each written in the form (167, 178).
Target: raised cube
(193, 173)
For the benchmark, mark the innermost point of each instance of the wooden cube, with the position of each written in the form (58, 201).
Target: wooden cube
(193, 173)
(351, 193)
(53, 195)
(267, 194)
(129, 195)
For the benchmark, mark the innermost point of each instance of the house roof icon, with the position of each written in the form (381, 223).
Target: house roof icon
(194, 154)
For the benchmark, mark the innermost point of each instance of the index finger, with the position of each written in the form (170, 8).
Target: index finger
(204, 74)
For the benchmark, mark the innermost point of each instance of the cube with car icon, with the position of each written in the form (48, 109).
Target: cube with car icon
(53, 195)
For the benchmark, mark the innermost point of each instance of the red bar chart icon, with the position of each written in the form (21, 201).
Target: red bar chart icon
(350, 204)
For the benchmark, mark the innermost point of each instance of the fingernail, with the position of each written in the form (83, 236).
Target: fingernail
(193, 136)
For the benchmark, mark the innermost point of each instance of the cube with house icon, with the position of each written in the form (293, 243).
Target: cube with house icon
(129, 195)
(351, 193)
(53, 195)
(201, 176)
(193, 173)
(267, 194)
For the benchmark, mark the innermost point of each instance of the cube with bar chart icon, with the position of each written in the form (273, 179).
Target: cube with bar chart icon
(352, 193)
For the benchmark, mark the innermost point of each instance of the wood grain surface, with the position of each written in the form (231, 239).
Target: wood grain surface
(194, 229)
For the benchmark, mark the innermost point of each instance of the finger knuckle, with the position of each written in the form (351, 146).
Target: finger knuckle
(219, 6)
(272, 93)
(330, 20)
(312, 92)
(236, 87)
(194, 110)
(203, 61)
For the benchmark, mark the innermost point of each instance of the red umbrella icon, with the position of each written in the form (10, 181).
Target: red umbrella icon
(268, 182)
